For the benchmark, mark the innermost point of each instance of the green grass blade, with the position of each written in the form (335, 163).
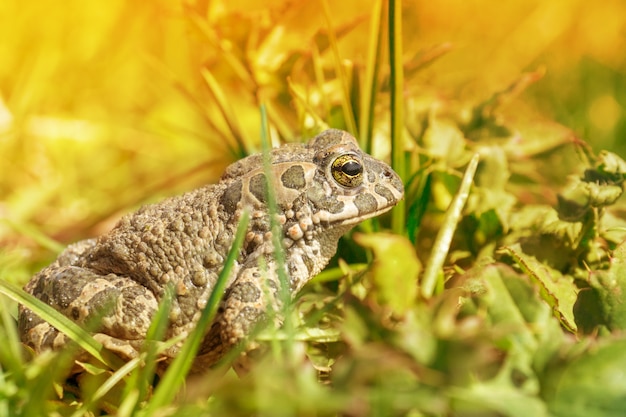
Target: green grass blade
(417, 191)
(370, 83)
(318, 70)
(279, 253)
(26, 229)
(177, 371)
(237, 65)
(227, 112)
(10, 349)
(91, 402)
(346, 103)
(301, 98)
(398, 161)
(441, 246)
(139, 382)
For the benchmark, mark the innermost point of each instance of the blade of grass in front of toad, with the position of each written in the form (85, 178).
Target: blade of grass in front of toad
(11, 349)
(89, 404)
(138, 383)
(62, 323)
(441, 246)
(177, 371)
(13, 369)
(277, 235)
(398, 162)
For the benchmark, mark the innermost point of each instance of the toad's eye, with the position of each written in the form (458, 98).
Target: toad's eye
(347, 170)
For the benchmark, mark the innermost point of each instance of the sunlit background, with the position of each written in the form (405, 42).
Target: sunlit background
(106, 105)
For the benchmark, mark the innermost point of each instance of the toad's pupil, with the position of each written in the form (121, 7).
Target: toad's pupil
(352, 168)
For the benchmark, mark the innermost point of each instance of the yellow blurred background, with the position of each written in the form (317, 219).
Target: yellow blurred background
(106, 105)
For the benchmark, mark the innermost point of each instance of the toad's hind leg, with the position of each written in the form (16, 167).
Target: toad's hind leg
(115, 309)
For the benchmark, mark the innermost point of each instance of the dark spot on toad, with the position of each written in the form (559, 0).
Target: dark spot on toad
(231, 196)
(385, 193)
(366, 203)
(258, 187)
(245, 292)
(294, 178)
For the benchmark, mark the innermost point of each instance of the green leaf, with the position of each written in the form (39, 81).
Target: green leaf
(503, 307)
(558, 290)
(600, 186)
(592, 385)
(610, 286)
(612, 164)
(444, 140)
(395, 270)
(497, 396)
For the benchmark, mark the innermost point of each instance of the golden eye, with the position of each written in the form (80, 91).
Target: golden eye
(347, 170)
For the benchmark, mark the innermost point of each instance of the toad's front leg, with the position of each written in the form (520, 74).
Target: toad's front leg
(251, 300)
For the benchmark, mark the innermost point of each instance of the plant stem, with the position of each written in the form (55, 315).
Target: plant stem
(441, 246)
(397, 117)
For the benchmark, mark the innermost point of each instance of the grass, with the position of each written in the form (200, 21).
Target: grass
(495, 289)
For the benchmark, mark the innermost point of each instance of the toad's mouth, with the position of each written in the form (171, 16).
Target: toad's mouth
(356, 211)
(358, 219)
